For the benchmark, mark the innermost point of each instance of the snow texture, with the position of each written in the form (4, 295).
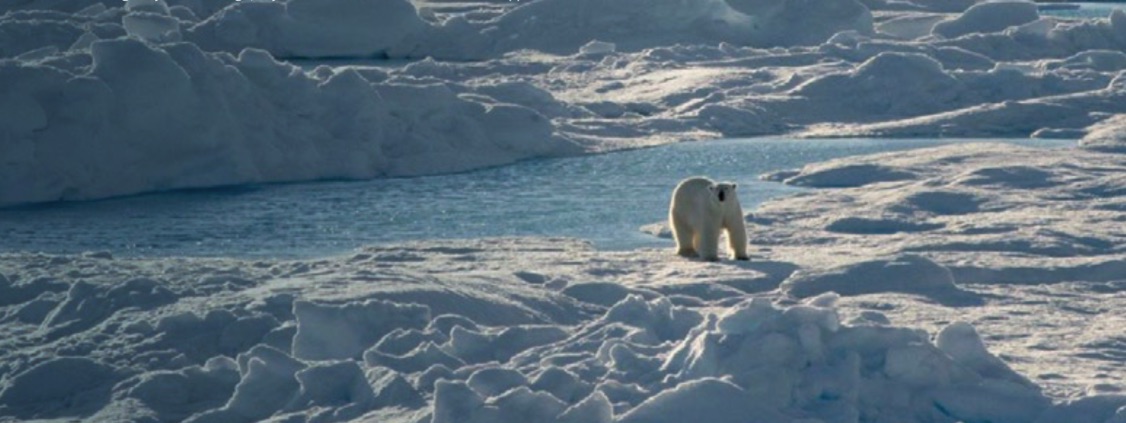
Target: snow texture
(1010, 257)
(951, 314)
(103, 98)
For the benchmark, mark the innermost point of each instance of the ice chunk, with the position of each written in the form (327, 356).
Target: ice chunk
(153, 27)
(710, 400)
(314, 28)
(333, 384)
(267, 385)
(455, 402)
(523, 405)
(562, 384)
(597, 48)
(175, 395)
(327, 332)
(1107, 136)
(82, 382)
(989, 16)
(493, 381)
(445, 323)
(906, 274)
(961, 341)
(152, 6)
(416, 360)
(402, 341)
(391, 390)
(595, 408)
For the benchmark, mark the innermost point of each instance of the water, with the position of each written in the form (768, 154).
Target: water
(1085, 10)
(603, 198)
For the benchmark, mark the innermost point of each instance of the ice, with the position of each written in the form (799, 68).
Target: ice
(243, 102)
(392, 390)
(152, 27)
(905, 274)
(326, 332)
(1108, 135)
(961, 342)
(988, 17)
(335, 384)
(1009, 256)
(548, 78)
(175, 395)
(313, 28)
(706, 399)
(640, 360)
(596, 408)
(76, 383)
(566, 386)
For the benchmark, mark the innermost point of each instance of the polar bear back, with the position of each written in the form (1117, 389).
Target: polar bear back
(694, 195)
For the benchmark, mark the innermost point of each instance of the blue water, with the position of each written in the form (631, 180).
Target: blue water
(1085, 10)
(603, 198)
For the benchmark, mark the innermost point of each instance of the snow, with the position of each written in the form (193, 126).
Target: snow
(869, 326)
(104, 99)
(313, 28)
(972, 282)
(1108, 135)
(221, 120)
(988, 17)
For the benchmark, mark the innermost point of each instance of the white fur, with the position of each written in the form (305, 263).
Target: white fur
(696, 216)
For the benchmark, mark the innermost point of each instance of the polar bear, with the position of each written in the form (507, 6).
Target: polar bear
(699, 210)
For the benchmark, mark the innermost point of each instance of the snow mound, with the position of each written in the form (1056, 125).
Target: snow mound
(176, 395)
(313, 28)
(906, 274)
(861, 225)
(987, 17)
(839, 175)
(221, 120)
(802, 358)
(943, 202)
(1011, 176)
(707, 399)
(803, 22)
(1096, 60)
(326, 332)
(894, 83)
(1107, 136)
(76, 383)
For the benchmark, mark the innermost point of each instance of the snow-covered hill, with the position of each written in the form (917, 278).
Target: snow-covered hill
(101, 100)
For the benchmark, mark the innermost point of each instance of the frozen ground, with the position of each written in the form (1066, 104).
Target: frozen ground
(960, 284)
(974, 283)
(101, 100)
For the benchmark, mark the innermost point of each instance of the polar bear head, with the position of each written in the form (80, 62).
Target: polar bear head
(724, 192)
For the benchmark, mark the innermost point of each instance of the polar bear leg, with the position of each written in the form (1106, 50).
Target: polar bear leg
(684, 235)
(736, 236)
(708, 247)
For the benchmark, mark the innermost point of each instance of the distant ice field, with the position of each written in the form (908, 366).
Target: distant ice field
(1086, 10)
(600, 198)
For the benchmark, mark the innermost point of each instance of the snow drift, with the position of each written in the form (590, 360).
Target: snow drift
(313, 28)
(142, 118)
(233, 341)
